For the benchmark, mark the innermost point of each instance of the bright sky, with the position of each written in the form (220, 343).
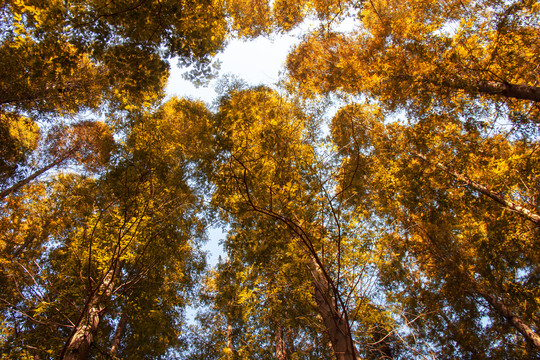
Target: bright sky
(258, 62)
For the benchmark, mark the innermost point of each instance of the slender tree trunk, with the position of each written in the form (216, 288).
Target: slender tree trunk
(516, 91)
(229, 334)
(517, 208)
(336, 324)
(29, 178)
(119, 333)
(501, 309)
(79, 343)
(279, 341)
(497, 305)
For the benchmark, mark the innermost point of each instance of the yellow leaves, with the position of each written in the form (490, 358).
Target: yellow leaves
(251, 17)
(263, 134)
(287, 14)
(227, 351)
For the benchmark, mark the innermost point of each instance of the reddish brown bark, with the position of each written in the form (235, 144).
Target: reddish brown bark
(119, 333)
(279, 342)
(337, 326)
(78, 345)
(500, 308)
(515, 91)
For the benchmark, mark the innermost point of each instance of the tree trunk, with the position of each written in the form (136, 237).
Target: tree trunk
(501, 309)
(119, 333)
(519, 91)
(279, 342)
(336, 324)
(78, 345)
(498, 306)
(29, 178)
(230, 343)
(514, 91)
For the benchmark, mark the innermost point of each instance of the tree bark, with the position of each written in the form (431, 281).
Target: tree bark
(501, 309)
(497, 305)
(336, 324)
(230, 343)
(29, 178)
(279, 342)
(78, 345)
(119, 333)
(516, 91)
(489, 87)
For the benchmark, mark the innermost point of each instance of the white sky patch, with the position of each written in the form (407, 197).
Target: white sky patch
(257, 62)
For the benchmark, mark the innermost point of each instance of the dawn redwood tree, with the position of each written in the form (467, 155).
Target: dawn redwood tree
(428, 54)
(116, 246)
(457, 209)
(282, 204)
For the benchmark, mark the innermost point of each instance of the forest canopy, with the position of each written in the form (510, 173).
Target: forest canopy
(380, 202)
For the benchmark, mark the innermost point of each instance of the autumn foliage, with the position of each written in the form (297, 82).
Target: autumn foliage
(380, 202)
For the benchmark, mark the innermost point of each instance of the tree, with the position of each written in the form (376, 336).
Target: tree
(64, 56)
(121, 250)
(19, 136)
(280, 202)
(429, 56)
(454, 248)
(86, 143)
(254, 18)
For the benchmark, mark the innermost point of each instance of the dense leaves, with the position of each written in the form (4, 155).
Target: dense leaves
(381, 204)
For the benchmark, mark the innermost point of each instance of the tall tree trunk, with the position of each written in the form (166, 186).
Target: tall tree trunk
(279, 341)
(29, 178)
(337, 326)
(489, 87)
(229, 334)
(468, 281)
(78, 345)
(119, 333)
(516, 91)
(501, 309)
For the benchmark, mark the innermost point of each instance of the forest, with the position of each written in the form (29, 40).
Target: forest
(381, 201)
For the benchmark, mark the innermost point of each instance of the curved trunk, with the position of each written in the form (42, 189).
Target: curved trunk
(501, 309)
(335, 322)
(512, 205)
(119, 333)
(78, 345)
